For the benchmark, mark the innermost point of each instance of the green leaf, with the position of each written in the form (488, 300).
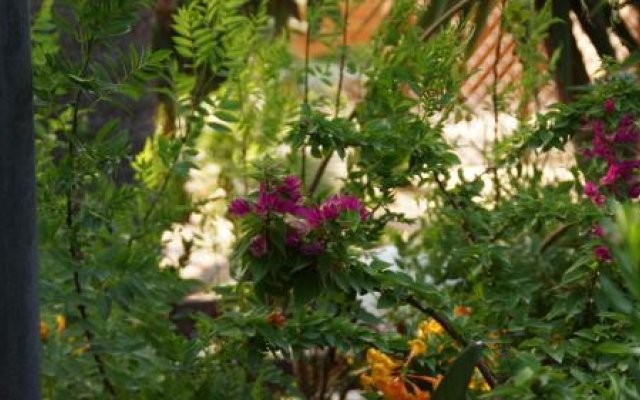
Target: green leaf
(454, 385)
(306, 285)
(617, 348)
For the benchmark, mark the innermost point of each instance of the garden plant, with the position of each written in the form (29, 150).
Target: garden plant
(507, 285)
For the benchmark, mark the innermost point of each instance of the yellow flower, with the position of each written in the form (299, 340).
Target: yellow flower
(428, 328)
(366, 381)
(375, 356)
(478, 382)
(417, 348)
(61, 324)
(81, 350)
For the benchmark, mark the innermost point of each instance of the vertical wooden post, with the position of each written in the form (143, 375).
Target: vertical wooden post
(19, 343)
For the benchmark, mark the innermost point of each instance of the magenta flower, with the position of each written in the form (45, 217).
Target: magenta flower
(291, 188)
(596, 230)
(312, 215)
(602, 253)
(258, 246)
(292, 238)
(286, 206)
(602, 149)
(611, 176)
(627, 132)
(343, 203)
(312, 249)
(609, 105)
(267, 202)
(239, 208)
(330, 211)
(634, 191)
(300, 225)
(592, 192)
(598, 128)
(587, 153)
(599, 200)
(591, 189)
(626, 167)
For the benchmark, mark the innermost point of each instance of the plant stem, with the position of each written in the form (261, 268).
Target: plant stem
(469, 236)
(72, 207)
(494, 101)
(448, 14)
(343, 56)
(555, 235)
(307, 46)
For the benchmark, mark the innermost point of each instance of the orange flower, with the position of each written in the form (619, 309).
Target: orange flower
(387, 378)
(277, 319)
(435, 382)
(44, 331)
(462, 311)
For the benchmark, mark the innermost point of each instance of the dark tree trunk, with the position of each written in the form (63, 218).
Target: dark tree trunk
(570, 71)
(19, 344)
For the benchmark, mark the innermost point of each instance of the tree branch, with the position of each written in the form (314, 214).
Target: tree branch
(454, 334)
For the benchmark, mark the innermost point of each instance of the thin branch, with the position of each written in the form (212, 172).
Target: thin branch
(307, 46)
(72, 207)
(448, 14)
(494, 100)
(555, 235)
(454, 334)
(165, 182)
(343, 56)
(469, 236)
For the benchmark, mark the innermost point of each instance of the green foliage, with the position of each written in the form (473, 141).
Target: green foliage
(513, 269)
(454, 384)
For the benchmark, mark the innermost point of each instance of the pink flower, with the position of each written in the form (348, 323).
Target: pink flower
(611, 176)
(609, 105)
(634, 191)
(312, 249)
(239, 208)
(596, 230)
(258, 246)
(602, 253)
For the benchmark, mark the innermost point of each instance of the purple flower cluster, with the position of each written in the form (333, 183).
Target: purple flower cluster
(620, 179)
(284, 200)
(615, 151)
